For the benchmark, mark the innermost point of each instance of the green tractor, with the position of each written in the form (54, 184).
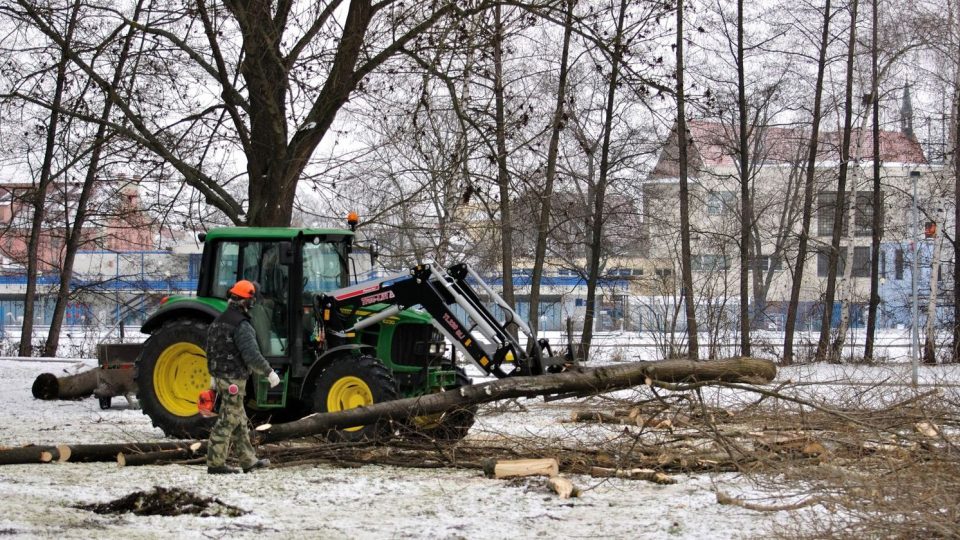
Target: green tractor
(321, 369)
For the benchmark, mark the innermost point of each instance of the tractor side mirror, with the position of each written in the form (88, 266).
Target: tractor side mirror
(286, 253)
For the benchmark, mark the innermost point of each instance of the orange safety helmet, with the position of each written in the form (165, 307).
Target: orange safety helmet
(243, 289)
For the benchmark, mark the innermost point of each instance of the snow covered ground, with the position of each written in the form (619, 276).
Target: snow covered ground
(330, 502)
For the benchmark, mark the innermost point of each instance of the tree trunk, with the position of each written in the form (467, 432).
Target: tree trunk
(811, 172)
(543, 227)
(929, 345)
(503, 174)
(159, 457)
(877, 202)
(693, 344)
(77, 453)
(580, 382)
(823, 346)
(28, 454)
(745, 207)
(955, 140)
(48, 386)
(596, 242)
(846, 287)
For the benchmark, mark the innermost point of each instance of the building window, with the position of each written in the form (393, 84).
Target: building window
(861, 262)
(767, 262)
(863, 222)
(826, 206)
(721, 203)
(709, 263)
(898, 264)
(637, 272)
(664, 272)
(863, 215)
(823, 262)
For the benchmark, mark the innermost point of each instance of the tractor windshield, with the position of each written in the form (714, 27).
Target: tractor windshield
(322, 268)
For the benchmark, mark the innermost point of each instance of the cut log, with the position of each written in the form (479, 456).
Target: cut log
(583, 381)
(29, 454)
(649, 475)
(109, 451)
(49, 386)
(563, 487)
(521, 467)
(155, 458)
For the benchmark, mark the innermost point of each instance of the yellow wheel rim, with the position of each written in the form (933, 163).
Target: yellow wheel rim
(179, 377)
(347, 393)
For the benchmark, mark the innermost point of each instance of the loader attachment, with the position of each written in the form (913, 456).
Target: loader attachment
(458, 312)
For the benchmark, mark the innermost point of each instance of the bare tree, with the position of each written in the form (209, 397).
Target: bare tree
(39, 198)
(685, 255)
(74, 233)
(746, 214)
(877, 202)
(546, 196)
(280, 90)
(824, 345)
(593, 262)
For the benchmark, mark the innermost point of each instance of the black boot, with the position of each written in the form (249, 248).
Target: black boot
(259, 464)
(222, 469)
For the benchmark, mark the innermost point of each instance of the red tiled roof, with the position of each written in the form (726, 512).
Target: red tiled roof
(712, 144)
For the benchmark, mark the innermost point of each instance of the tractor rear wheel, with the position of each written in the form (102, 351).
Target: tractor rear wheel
(449, 425)
(171, 373)
(355, 381)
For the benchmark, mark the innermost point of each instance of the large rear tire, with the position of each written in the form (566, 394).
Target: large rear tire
(355, 381)
(171, 373)
(451, 425)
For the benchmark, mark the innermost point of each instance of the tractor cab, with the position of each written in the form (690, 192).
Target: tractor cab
(290, 268)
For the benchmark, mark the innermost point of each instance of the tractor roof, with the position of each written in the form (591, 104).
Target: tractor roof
(270, 233)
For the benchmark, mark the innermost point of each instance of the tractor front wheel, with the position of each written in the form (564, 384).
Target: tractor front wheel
(355, 381)
(171, 373)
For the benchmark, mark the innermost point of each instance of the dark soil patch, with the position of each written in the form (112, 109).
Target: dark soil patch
(165, 502)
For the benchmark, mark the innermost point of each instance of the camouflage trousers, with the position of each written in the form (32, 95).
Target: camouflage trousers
(231, 427)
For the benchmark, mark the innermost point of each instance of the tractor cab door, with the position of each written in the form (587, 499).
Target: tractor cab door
(267, 263)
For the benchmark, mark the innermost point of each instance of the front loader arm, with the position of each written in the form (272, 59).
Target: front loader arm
(498, 353)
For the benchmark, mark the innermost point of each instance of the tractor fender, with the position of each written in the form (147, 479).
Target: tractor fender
(181, 309)
(324, 360)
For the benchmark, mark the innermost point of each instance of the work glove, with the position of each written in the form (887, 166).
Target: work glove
(273, 379)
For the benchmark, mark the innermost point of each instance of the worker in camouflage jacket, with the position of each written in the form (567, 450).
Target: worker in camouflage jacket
(232, 355)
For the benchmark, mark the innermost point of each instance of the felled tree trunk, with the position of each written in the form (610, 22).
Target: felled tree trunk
(584, 381)
(80, 385)
(93, 452)
(579, 382)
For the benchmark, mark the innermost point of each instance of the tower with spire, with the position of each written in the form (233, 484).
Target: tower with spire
(906, 114)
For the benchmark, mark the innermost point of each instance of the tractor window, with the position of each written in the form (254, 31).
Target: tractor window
(258, 262)
(225, 272)
(322, 269)
(261, 262)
